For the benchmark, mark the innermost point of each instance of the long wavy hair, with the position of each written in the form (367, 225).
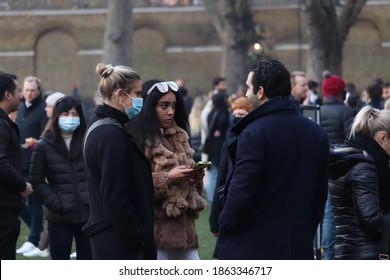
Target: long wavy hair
(146, 125)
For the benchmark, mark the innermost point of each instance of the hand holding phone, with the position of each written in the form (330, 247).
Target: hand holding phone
(201, 164)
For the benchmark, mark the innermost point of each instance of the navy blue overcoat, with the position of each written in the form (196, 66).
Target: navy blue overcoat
(277, 188)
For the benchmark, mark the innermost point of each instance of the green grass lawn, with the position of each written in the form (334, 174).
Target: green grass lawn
(206, 239)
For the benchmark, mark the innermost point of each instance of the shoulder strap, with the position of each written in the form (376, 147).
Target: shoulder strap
(212, 121)
(96, 124)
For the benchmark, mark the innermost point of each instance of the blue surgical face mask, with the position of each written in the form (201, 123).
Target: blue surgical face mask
(68, 124)
(137, 106)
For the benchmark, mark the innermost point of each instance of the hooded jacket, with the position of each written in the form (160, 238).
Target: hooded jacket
(353, 190)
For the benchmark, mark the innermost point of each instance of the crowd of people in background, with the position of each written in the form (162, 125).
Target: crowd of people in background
(124, 186)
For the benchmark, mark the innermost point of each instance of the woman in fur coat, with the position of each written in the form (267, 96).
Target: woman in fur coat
(161, 131)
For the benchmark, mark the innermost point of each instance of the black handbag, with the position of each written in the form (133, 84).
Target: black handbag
(385, 241)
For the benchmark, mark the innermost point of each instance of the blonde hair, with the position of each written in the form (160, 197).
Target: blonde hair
(115, 77)
(194, 116)
(369, 121)
(30, 79)
(295, 74)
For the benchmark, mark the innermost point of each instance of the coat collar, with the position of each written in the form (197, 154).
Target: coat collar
(38, 100)
(276, 105)
(105, 110)
(332, 100)
(4, 115)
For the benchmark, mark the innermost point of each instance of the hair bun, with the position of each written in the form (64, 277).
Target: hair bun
(107, 72)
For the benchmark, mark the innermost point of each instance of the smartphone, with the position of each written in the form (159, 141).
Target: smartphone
(201, 165)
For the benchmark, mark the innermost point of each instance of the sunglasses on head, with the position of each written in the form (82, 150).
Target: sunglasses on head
(163, 87)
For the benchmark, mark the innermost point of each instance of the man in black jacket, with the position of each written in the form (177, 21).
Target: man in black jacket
(12, 185)
(31, 120)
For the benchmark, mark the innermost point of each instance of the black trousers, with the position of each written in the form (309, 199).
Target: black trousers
(107, 245)
(61, 237)
(9, 233)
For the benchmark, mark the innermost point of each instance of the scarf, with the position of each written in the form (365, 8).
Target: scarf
(368, 144)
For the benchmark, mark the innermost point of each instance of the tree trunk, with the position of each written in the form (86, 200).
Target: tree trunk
(327, 33)
(119, 31)
(234, 25)
(238, 29)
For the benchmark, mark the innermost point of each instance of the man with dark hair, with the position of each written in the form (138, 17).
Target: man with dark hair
(12, 185)
(277, 187)
(374, 95)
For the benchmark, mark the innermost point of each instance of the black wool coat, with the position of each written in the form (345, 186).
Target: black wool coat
(121, 194)
(31, 122)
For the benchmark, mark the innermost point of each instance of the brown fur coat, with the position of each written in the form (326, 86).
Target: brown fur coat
(178, 205)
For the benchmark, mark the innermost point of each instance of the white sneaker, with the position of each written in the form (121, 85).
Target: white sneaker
(73, 255)
(26, 247)
(37, 253)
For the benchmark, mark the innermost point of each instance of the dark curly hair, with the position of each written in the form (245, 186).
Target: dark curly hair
(273, 76)
(146, 125)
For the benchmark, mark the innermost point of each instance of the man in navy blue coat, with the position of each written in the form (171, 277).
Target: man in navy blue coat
(277, 187)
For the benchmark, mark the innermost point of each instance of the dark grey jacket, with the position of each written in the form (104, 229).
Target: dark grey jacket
(336, 119)
(31, 122)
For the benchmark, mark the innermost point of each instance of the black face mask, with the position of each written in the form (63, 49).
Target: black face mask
(222, 91)
(236, 120)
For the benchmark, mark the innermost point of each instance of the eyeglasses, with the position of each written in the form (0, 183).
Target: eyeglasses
(163, 87)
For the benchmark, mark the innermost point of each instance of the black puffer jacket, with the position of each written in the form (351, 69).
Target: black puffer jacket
(353, 190)
(65, 193)
(336, 119)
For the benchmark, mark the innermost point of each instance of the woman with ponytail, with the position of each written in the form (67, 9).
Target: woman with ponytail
(359, 185)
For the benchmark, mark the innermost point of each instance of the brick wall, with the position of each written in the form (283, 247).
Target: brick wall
(62, 47)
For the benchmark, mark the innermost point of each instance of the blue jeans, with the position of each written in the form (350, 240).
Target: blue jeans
(32, 214)
(61, 239)
(211, 181)
(328, 232)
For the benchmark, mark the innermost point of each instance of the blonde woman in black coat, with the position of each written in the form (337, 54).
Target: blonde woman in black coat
(359, 188)
(58, 178)
(119, 175)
